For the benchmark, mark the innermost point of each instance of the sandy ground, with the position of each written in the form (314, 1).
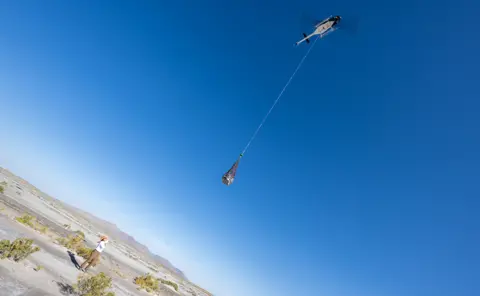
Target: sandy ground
(59, 265)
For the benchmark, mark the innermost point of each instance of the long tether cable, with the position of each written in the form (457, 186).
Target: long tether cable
(278, 98)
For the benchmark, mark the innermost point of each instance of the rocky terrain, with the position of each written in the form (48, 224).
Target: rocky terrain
(124, 259)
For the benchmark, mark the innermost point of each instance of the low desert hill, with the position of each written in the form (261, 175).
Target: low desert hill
(115, 233)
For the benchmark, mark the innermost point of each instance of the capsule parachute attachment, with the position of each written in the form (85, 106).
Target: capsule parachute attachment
(229, 176)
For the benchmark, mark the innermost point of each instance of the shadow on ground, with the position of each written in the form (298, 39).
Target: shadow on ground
(73, 259)
(65, 289)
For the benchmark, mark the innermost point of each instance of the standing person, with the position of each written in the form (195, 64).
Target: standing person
(95, 256)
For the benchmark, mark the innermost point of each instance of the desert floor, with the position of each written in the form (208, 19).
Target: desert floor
(60, 270)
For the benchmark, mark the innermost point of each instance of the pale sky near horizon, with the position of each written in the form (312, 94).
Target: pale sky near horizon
(363, 182)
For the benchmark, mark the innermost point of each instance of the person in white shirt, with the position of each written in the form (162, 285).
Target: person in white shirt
(95, 256)
(101, 246)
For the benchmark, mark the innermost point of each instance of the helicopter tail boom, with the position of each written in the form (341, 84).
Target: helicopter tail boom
(306, 39)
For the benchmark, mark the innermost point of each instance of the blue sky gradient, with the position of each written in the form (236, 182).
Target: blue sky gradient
(364, 180)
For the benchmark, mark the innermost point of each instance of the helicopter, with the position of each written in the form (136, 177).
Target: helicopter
(322, 28)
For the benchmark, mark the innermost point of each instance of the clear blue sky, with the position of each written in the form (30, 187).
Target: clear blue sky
(364, 180)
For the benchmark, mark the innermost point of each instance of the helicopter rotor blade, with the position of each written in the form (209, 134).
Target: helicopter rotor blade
(309, 20)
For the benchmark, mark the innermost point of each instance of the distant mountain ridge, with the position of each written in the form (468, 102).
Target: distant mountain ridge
(116, 233)
(110, 228)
